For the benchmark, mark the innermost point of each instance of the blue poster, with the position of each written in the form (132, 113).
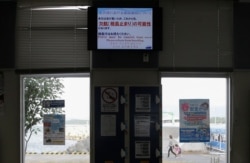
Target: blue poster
(194, 120)
(54, 129)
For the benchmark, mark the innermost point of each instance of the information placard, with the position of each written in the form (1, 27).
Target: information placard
(125, 28)
(54, 129)
(109, 99)
(194, 120)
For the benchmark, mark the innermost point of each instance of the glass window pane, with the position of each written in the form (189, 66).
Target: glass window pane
(214, 89)
(70, 142)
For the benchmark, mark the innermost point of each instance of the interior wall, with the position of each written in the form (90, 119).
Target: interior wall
(123, 78)
(197, 34)
(7, 33)
(240, 117)
(10, 120)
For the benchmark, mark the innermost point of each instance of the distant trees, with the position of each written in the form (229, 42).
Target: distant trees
(37, 89)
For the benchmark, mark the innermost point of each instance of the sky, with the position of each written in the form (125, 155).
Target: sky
(77, 95)
(213, 89)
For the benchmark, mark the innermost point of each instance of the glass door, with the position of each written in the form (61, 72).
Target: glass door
(181, 115)
(55, 120)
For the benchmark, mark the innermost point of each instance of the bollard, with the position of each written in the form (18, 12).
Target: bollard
(215, 159)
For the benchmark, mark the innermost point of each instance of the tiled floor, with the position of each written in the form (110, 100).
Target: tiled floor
(85, 158)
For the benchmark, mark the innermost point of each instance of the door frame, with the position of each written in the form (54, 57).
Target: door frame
(229, 112)
(22, 107)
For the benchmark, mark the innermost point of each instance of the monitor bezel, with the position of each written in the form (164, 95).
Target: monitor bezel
(156, 31)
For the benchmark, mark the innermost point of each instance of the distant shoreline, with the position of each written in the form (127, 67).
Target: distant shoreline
(73, 134)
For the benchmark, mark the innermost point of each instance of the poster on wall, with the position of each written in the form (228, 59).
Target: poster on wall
(108, 125)
(54, 129)
(142, 102)
(109, 99)
(142, 149)
(142, 125)
(1, 95)
(194, 120)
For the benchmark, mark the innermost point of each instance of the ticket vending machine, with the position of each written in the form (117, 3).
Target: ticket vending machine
(127, 124)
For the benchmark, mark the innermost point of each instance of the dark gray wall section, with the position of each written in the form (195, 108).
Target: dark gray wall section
(242, 35)
(7, 34)
(240, 118)
(124, 59)
(197, 35)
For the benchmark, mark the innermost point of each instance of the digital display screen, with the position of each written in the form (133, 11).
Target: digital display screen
(125, 28)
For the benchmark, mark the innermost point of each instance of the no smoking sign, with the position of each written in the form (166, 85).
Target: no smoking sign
(109, 96)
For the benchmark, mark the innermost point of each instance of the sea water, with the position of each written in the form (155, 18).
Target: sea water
(35, 144)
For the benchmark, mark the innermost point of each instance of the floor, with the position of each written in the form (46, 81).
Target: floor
(84, 158)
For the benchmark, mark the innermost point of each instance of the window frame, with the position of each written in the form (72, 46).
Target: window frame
(229, 112)
(22, 103)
